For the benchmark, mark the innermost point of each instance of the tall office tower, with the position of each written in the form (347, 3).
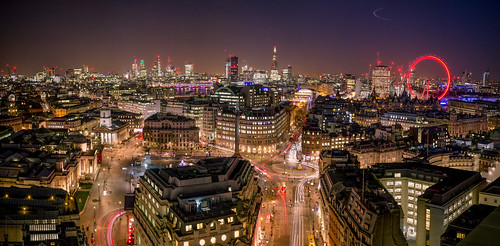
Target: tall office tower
(189, 68)
(486, 78)
(466, 77)
(142, 69)
(169, 69)
(274, 65)
(233, 68)
(350, 81)
(247, 73)
(135, 68)
(381, 81)
(228, 69)
(287, 73)
(275, 76)
(157, 71)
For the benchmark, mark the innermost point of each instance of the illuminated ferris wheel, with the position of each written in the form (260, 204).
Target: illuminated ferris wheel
(425, 88)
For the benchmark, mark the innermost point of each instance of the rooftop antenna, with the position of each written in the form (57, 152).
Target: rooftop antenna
(378, 59)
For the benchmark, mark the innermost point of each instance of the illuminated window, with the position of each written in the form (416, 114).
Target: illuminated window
(460, 235)
(221, 221)
(199, 226)
(236, 233)
(212, 240)
(230, 220)
(189, 227)
(223, 238)
(186, 243)
(397, 175)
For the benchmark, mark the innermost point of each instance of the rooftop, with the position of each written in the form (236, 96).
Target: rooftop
(448, 182)
(486, 233)
(493, 187)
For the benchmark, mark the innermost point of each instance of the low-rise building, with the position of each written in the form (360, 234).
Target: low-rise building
(39, 216)
(11, 121)
(143, 107)
(164, 131)
(460, 125)
(372, 152)
(405, 119)
(491, 194)
(460, 227)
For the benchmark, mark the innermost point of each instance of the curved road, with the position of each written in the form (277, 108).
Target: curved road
(105, 227)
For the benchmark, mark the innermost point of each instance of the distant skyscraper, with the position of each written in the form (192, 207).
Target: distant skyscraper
(135, 68)
(142, 69)
(381, 81)
(232, 70)
(275, 76)
(466, 77)
(486, 78)
(350, 81)
(157, 71)
(189, 69)
(228, 69)
(170, 69)
(287, 73)
(247, 73)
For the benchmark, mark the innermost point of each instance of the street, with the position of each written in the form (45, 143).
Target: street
(105, 202)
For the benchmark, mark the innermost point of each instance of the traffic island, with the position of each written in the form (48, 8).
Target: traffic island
(81, 199)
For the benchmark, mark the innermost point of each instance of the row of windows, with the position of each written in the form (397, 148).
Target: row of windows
(200, 226)
(43, 237)
(213, 240)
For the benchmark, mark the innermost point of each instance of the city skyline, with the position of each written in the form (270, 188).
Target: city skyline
(313, 37)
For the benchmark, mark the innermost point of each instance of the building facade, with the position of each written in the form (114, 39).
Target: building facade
(262, 130)
(357, 213)
(381, 81)
(431, 196)
(214, 202)
(370, 153)
(460, 125)
(164, 131)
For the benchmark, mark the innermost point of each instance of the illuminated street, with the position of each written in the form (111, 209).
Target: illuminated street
(103, 203)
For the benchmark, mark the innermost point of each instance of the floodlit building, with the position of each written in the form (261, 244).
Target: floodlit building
(357, 209)
(164, 131)
(261, 129)
(431, 197)
(111, 132)
(381, 81)
(213, 202)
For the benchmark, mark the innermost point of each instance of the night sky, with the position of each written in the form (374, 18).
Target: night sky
(312, 36)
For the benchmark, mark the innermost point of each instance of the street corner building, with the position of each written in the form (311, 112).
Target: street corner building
(358, 209)
(213, 202)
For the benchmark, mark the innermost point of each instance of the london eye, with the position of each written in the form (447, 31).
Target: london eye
(425, 88)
